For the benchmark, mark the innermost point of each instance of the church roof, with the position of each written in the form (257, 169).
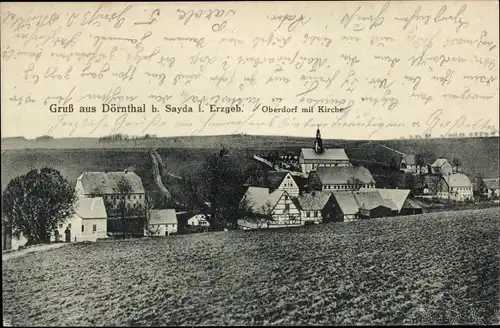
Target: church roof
(308, 155)
(342, 174)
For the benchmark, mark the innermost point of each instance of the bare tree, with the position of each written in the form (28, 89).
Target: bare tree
(123, 190)
(262, 216)
(148, 206)
(456, 163)
(420, 161)
(355, 182)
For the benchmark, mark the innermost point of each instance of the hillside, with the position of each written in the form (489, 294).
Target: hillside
(479, 156)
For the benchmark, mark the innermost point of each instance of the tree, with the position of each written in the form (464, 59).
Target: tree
(394, 164)
(148, 206)
(354, 182)
(218, 181)
(122, 191)
(456, 163)
(262, 216)
(37, 202)
(420, 161)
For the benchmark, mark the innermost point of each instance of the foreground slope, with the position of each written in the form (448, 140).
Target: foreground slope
(432, 268)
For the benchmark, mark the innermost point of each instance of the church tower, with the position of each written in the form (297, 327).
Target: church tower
(318, 143)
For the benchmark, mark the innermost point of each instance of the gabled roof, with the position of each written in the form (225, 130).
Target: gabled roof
(274, 180)
(397, 196)
(412, 203)
(260, 200)
(439, 162)
(91, 208)
(347, 202)
(410, 159)
(341, 174)
(329, 154)
(314, 201)
(491, 183)
(106, 182)
(370, 200)
(166, 216)
(457, 180)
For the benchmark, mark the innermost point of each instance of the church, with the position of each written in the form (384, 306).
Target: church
(318, 156)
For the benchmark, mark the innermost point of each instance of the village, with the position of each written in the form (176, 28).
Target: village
(318, 185)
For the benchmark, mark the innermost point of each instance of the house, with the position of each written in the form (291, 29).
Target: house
(161, 223)
(442, 166)
(269, 209)
(199, 220)
(89, 222)
(275, 180)
(408, 164)
(411, 207)
(396, 196)
(457, 187)
(318, 156)
(116, 188)
(354, 205)
(316, 207)
(372, 205)
(490, 186)
(341, 178)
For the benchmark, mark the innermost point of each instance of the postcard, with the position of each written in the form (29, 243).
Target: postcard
(250, 163)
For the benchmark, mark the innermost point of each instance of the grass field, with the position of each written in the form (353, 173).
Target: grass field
(432, 268)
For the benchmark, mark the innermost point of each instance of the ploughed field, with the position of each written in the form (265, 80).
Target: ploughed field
(432, 268)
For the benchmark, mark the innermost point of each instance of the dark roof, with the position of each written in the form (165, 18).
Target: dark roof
(341, 174)
(106, 182)
(412, 203)
(410, 159)
(274, 179)
(491, 183)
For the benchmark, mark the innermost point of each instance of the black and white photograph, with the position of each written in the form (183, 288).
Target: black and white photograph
(282, 163)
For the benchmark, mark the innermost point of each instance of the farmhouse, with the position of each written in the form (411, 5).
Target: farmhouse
(316, 207)
(491, 188)
(353, 205)
(408, 164)
(455, 187)
(199, 220)
(88, 224)
(411, 207)
(275, 180)
(396, 196)
(116, 188)
(161, 223)
(341, 178)
(312, 158)
(270, 209)
(441, 166)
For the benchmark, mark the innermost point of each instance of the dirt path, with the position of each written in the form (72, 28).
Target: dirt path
(24, 252)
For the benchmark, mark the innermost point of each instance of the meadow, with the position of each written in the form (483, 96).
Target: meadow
(440, 268)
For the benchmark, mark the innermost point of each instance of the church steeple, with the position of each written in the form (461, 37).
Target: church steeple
(318, 143)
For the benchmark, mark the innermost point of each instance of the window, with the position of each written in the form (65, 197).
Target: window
(69, 225)
(128, 196)
(287, 207)
(308, 214)
(94, 227)
(134, 196)
(83, 228)
(315, 214)
(286, 197)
